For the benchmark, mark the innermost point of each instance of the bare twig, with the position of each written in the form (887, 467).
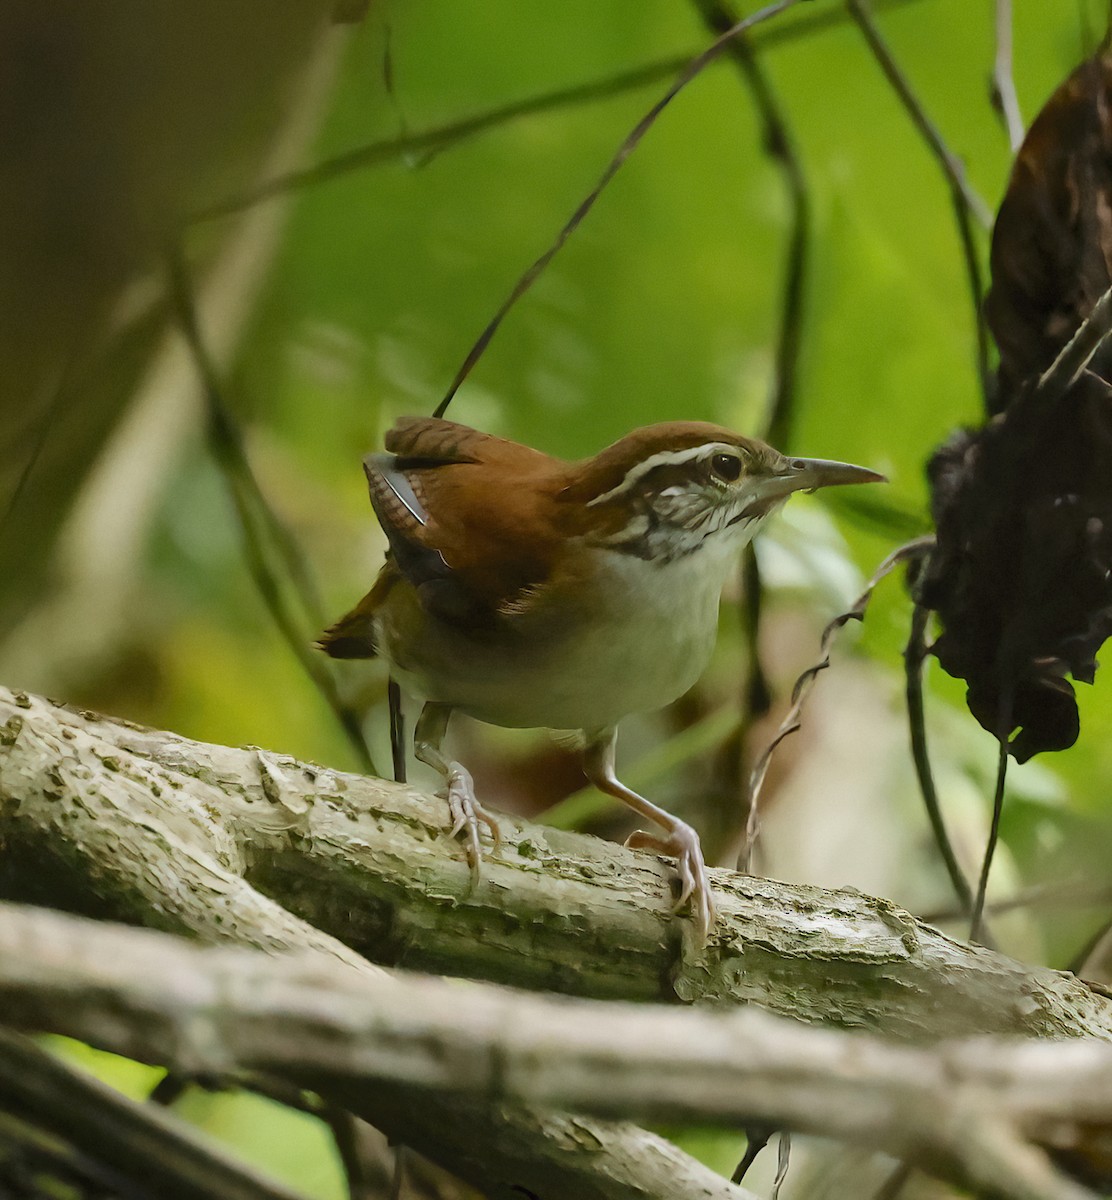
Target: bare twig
(577, 1158)
(780, 145)
(42, 423)
(757, 699)
(783, 1161)
(757, 1136)
(364, 1171)
(29, 1153)
(756, 691)
(951, 165)
(231, 454)
(913, 662)
(1074, 358)
(1076, 894)
(962, 1109)
(1093, 958)
(398, 1181)
(154, 1151)
(388, 81)
(160, 829)
(977, 931)
(367, 1158)
(434, 141)
(968, 205)
(894, 1185)
(629, 144)
(260, 526)
(442, 137)
(1004, 98)
(803, 685)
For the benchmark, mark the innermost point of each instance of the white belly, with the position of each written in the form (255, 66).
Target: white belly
(650, 636)
(653, 644)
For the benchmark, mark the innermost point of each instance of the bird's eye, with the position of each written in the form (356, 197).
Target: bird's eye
(726, 467)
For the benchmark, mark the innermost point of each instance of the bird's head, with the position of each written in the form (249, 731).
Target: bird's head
(665, 491)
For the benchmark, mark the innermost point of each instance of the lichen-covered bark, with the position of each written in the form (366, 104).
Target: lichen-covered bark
(105, 819)
(498, 1061)
(228, 844)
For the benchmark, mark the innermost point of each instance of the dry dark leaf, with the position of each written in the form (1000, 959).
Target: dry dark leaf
(1052, 243)
(1022, 575)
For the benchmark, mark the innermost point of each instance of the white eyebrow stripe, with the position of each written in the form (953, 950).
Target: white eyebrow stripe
(663, 458)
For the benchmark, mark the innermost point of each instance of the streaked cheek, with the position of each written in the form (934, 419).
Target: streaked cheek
(682, 507)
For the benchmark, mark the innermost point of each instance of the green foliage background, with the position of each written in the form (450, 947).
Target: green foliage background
(663, 305)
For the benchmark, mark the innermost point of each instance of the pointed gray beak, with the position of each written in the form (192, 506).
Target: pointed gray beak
(807, 474)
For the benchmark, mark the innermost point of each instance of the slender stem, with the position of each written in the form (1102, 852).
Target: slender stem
(781, 420)
(806, 681)
(57, 1168)
(1093, 952)
(1078, 352)
(41, 425)
(1074, 894)
(440, 137)
(950, 163)
(977, 930)
(757, 1135)
(628, 145)
(968, 204)
(147, 1147)
(362, 1170)
(913, 664)
(388, 79)
(348, 1131)
(397, 1181)
(397, 729)
(780, 144)
(975, 279)
(894, 1185)
(258, 521)
(1004, 98)
(430, 142)
(783, 1161)
(757, 697)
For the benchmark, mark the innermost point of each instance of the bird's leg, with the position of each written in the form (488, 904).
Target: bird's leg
(681, 842)
(467, 813)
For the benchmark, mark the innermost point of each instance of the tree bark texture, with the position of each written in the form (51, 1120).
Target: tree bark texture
(111, 820)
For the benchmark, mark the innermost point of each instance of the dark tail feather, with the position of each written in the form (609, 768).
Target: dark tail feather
(352, 636)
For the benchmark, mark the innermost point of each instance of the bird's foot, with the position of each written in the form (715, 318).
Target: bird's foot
(682, 844)
(468, 815)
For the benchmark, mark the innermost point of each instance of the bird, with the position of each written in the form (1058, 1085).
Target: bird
(526, 591)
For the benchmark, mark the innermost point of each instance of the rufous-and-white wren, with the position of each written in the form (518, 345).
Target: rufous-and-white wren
(530, 592)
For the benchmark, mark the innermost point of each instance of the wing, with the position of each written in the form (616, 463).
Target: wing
(467, 516)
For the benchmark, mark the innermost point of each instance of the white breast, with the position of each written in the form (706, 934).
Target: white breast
(654, 642)
(650, 633)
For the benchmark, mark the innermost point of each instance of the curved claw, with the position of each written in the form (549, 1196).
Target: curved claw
(468, 814)
(682, 844)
